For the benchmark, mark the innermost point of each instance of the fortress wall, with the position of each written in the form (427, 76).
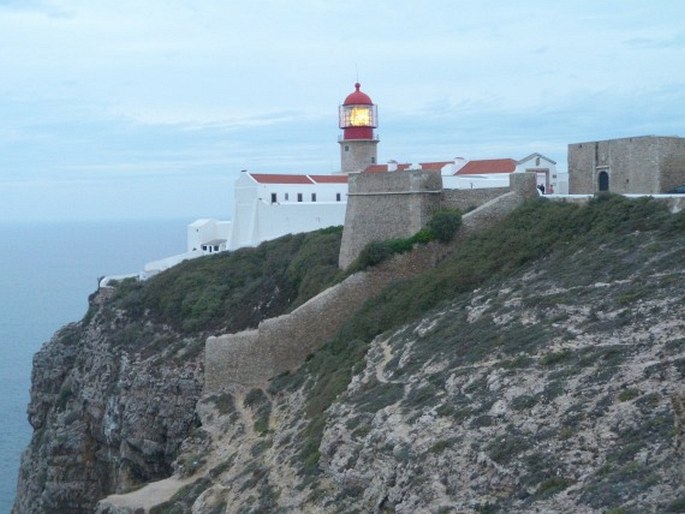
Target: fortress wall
(279, 344)
(468, 199)
(384, 206)
(641, 165)
(251, 358)
(522, 187)
(671, 152)
(231, 358)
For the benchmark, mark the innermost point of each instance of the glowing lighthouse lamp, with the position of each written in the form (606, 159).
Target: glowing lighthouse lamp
(358, 118)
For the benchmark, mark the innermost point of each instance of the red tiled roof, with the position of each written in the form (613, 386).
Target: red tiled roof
(269, 178)
(428, 166)
(486, 166)
(376, 168)
(329, 179)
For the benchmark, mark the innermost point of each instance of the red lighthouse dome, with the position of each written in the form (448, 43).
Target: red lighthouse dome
(357, 97)
(358, 116)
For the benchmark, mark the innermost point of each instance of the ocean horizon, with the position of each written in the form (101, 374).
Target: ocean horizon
(48, 271)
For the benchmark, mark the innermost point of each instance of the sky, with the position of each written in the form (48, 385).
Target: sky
(149, 109)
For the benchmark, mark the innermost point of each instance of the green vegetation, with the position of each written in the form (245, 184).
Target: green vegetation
(628, 394)
(236, 290)
(536, 230)
(442, 227)
(240, 288)
(444, 224)
(260, 405)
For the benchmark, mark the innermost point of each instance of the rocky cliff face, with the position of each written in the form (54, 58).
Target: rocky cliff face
(111, 402)
(113, 397)
(542, 371)
(553, 391)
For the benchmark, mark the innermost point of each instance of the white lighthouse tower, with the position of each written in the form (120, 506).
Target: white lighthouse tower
(358, 118)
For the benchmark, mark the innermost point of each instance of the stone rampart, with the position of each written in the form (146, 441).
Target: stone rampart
(468, 199)
(252, 357)
(384, 206)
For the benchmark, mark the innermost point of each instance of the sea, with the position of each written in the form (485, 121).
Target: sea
(47, 271)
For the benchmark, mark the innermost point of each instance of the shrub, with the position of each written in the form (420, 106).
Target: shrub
(444, 224)
(235, 290)
(442, 227)
(373, 254)
(628, 394)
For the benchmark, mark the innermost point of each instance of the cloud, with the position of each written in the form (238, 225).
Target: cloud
(174, 91)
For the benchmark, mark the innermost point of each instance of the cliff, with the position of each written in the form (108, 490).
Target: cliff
(538, 367)
(113, 397)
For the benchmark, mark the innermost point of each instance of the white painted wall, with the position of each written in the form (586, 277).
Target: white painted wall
(207, 229)
(475, 181)
(257, 217)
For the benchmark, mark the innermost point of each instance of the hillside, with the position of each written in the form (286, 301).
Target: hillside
(539, 367)
(113, 396)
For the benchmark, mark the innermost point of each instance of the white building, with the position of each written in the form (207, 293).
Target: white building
(485, 173)
(268, 206)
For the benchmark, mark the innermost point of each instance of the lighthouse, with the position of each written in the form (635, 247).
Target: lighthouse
(358, 118)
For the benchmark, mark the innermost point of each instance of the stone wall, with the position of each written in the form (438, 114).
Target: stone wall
(384, 206)
(278, 344)
(357, 154)
(671, 151)
(647, 165)
(252, 357)
(467, 199)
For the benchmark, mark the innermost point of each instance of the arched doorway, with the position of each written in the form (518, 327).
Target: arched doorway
(603, 181)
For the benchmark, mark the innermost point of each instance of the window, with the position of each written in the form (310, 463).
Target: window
(373, 160)
(299, 197)
(337, 197)
(216, 248)
(287, 197)
(313, 197)
(274, 198)
(347, 148)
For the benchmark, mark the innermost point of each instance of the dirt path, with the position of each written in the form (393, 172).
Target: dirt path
(147, 497)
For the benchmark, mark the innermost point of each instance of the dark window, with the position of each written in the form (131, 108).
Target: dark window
(603, 181)
(216, 248)
(373, 160)
(274, 198)
(337, 197)
(299, 197)
(287, 197)
(313, 197)
(347, 148)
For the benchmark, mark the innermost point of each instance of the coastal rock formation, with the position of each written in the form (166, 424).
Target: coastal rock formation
(539, 367)
(111, 403)
(113, 396)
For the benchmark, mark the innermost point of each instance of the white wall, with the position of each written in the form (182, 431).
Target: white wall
(204, 230)
(475, 181)
(257, 219)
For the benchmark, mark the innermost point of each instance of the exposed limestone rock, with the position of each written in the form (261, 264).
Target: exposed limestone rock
(556, 389)
(111, 402)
